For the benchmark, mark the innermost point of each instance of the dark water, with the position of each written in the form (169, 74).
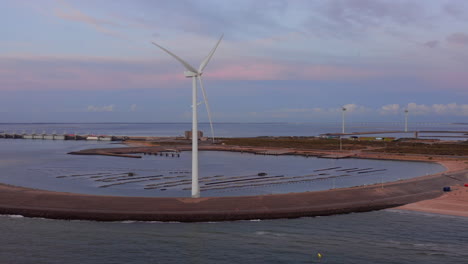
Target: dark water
(375, 237)
(388, 236)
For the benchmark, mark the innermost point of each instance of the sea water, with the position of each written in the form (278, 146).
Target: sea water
(384, 237)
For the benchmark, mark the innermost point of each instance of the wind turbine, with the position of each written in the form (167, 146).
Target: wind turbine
(406, 120)
(195, 74)
(343, 119)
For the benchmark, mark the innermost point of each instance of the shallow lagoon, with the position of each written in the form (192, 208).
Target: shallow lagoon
(45, 165)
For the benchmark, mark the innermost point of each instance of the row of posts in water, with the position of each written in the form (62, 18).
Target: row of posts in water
(166, 154)
(55, 136)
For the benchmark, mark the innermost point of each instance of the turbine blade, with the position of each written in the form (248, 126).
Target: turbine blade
(186, 65)
(208, 57)
(207, 107)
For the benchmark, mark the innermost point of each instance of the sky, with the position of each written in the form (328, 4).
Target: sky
(279, 60)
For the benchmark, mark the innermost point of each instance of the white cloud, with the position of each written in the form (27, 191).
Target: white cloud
(353, 108)
(106, 108)
(439, 109)
(416, 109)
(390, 109)
(301, 110)
(66, 11)
(451, 109)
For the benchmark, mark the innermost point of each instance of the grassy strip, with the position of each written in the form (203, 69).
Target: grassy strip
(456, 148)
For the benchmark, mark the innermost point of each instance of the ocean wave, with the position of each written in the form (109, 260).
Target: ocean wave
(15, 216)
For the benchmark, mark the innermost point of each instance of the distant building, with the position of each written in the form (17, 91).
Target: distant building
(376, 138)
(188, 134)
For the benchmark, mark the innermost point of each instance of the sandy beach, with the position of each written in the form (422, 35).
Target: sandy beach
(450, 203)
(454, 202)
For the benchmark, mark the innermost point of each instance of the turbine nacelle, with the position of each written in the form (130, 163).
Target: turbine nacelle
(190, 74)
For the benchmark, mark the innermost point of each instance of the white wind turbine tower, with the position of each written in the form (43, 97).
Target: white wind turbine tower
(406, 120)
(343, 109)
(191, 72)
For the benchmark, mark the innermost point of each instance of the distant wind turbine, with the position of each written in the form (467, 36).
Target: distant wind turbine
(406, 120)
(343, 120)
(191, 72)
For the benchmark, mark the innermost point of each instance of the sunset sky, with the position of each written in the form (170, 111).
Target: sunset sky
(279, 61)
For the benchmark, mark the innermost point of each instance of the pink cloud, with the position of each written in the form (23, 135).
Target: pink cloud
(450, 79)
(107, 74)
(249, 71)
(254, 69)
(458, 39)
(67, 12)
(52, 74)
(88, 73)
(326, 72)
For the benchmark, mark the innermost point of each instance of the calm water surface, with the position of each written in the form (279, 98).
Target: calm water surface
(388, 236)
(45, 164)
